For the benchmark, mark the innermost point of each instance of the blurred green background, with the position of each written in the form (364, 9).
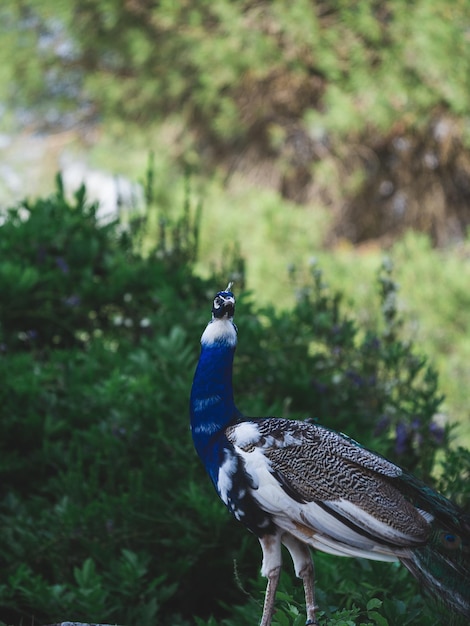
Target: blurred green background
(316, 152)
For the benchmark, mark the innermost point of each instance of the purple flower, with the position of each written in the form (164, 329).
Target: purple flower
(118, 431)
(72, 300)
(382, 425)
(319, 386)
(372, 343)
(356, 378)
(62, 264)
(416, 423)
(41, 254)
(437, 433)
(401, 438)
(416, 427)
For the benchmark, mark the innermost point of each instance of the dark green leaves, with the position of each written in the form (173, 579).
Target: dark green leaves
(106, 513)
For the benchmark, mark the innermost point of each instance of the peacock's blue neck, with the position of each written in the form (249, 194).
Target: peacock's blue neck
(212, 405)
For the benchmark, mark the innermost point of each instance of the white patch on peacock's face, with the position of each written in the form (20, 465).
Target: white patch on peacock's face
(221, 331)
(220, 301)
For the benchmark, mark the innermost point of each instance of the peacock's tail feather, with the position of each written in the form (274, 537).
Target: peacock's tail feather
(442, 565)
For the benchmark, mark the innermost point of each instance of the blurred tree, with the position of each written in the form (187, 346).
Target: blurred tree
(226, 64)
(287, 92)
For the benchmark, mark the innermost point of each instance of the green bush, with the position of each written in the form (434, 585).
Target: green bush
(106, 512)
(317, 361)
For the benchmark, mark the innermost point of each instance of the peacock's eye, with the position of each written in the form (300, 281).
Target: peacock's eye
(450, 541)
(218, 302)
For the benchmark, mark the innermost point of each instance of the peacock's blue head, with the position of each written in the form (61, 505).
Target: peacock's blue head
(224, 304)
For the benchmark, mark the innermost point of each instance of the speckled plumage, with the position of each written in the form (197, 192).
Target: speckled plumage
(303, 457)
(301, 484)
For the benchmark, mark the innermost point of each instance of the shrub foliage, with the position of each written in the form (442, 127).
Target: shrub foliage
(106, 513)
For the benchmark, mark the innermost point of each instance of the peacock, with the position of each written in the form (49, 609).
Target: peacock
(302, 485)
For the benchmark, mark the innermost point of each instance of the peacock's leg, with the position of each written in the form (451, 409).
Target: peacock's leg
(303, 566)
(271, 568)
